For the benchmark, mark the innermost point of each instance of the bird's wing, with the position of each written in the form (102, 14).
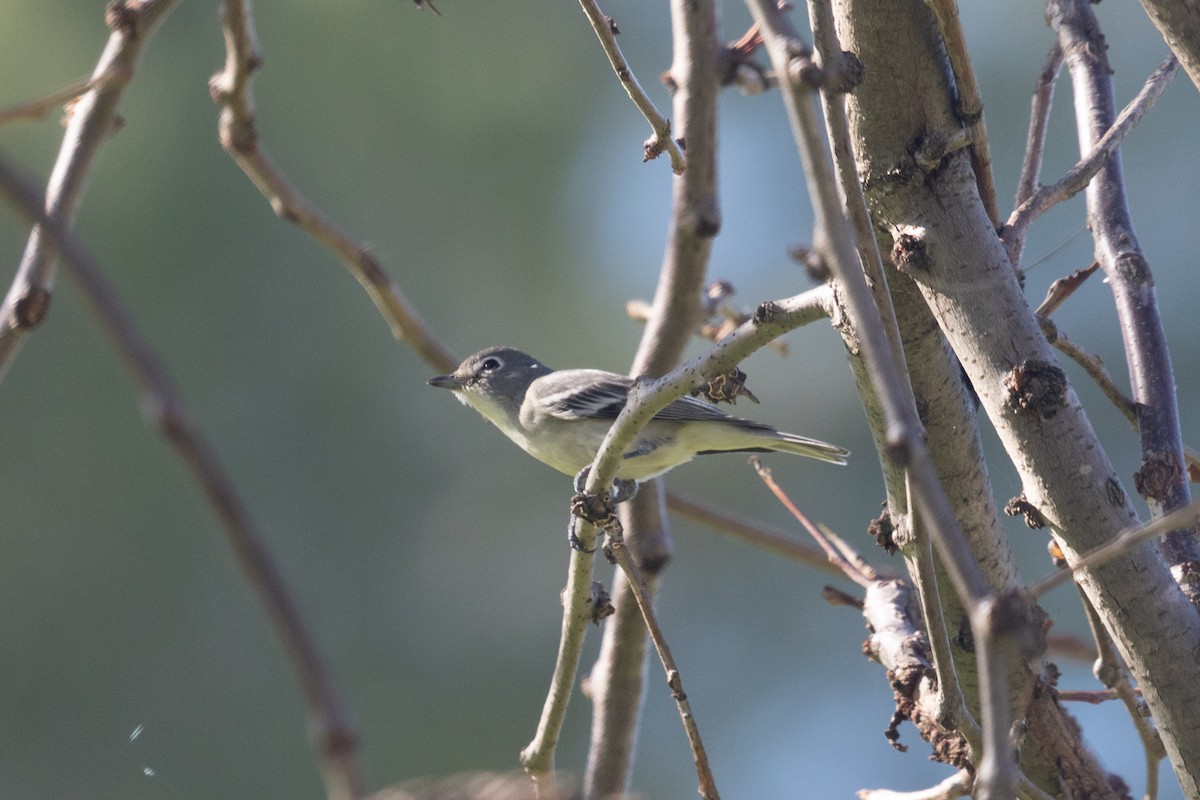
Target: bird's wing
(592, 394)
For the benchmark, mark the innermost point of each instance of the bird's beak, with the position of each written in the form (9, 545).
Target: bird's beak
(451, 382)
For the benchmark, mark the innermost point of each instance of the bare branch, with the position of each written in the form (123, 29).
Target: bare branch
(708, 787)
(957, 785)
(1097, 158)
(606, 30)
(239, 136)
(538, 756)
(1063, 288)
(695, 219)
(854, 569)
(647, 398)
(1162, 480)
(969, 103)
(334, 734)
(754, 534)
(1035, 144)
(1179, 25)
(91, 123)
(1109, 668)
(1179, 518)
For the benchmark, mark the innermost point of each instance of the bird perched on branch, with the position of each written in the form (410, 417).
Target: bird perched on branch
(560, 417)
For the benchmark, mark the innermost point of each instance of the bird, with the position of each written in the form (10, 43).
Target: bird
(560, 417)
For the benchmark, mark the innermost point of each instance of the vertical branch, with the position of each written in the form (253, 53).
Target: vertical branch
(1035, 144)
(332, 727)
(970, 102)
(92, 120)
(996, 623)
(618, 675)
(1162, 479)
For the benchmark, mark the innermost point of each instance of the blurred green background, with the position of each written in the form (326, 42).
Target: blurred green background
(493, 162)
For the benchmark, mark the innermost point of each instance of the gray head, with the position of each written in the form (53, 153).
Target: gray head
(493, 380)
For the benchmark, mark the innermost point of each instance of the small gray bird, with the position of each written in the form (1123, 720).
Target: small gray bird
(561, 417)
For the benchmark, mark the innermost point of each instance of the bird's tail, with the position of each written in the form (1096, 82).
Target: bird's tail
(812, 448)
(770, 440)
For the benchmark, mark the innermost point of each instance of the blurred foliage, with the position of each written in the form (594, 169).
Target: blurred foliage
(493, 163)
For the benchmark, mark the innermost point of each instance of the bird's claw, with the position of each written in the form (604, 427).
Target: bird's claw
(622, 490)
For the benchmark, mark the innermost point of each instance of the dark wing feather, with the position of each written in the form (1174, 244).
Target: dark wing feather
(604, 399)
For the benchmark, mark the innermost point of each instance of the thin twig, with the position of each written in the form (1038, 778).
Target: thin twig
(853, 571)
(1094, 367)
(957, 785)
(92, 119)
(1035, 144)
(755, 534)
(606, 31)
(239, 136)
(1179, 518)
(708, 787)
(334, 735)
(1063, 288)
(39, 107)
(1109, 668)
(1096, 370)
(1078, 177)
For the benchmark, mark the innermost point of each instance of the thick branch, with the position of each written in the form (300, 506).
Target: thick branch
(944, 241)
(1179, 23)
(997, 772)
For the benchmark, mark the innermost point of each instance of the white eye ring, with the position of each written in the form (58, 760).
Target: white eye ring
(491, 364)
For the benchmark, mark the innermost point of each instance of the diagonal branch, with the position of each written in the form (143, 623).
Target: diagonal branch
(1098, 157)
(239, 136)
(334, 736)
(92, 120)
(606, 30)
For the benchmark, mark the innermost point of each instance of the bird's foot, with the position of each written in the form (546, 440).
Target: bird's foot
(622, 490)
(598, 509)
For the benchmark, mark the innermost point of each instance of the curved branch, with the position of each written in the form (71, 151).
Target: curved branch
(333, 728)
(239, 136)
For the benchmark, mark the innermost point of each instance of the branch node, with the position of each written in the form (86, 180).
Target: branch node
(31, 307)
(1037, 386)
(1159, 475)
(120, 17)
(882, 530)
(843, 73)
(600, 603)
(1021, 507)
(909, 249)
(765, 312)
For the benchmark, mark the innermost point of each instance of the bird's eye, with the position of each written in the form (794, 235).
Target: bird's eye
(491, 364)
